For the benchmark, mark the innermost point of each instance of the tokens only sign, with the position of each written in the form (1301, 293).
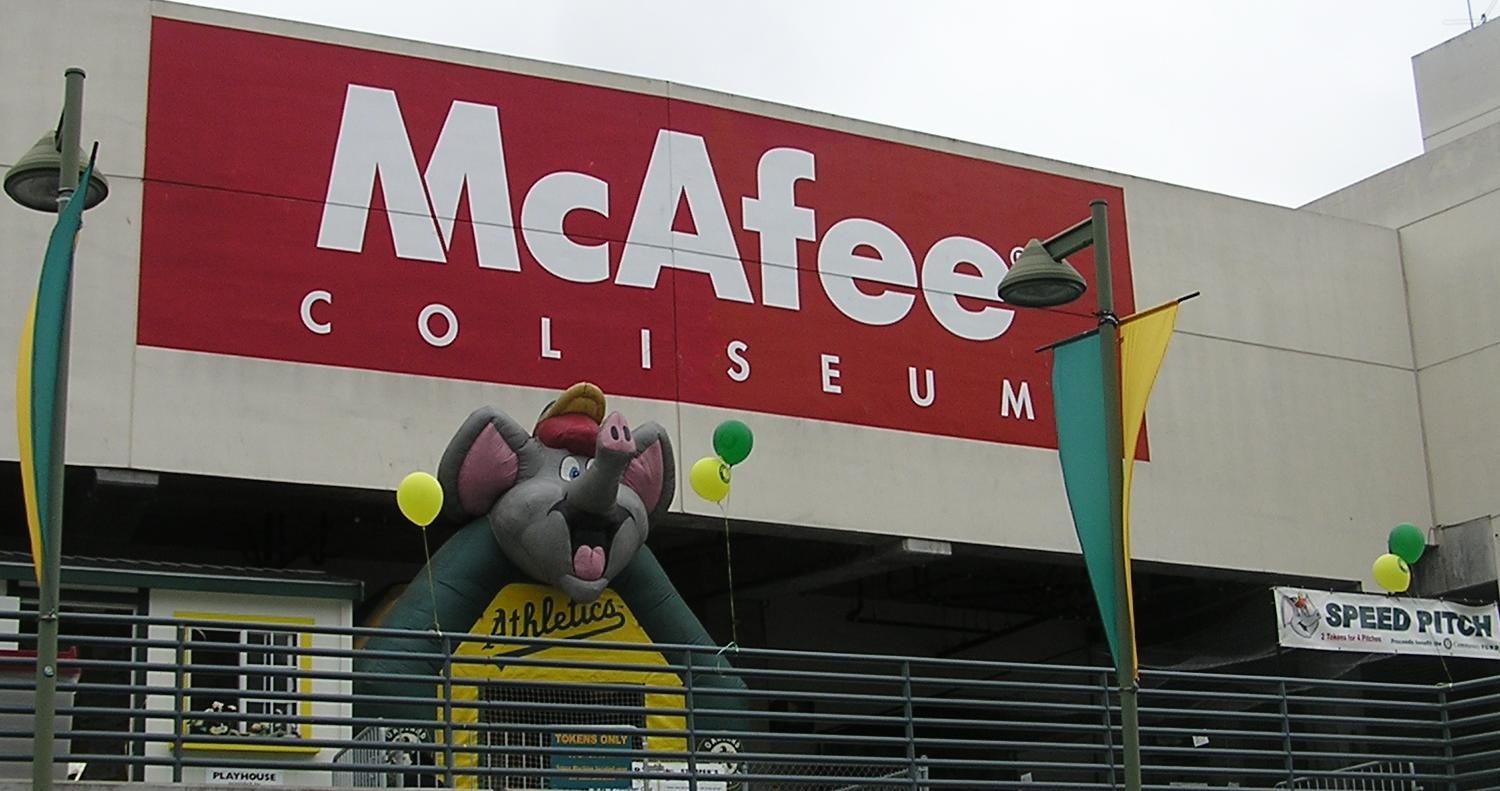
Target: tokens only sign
(317, 203)
(1384, 625)
(593, 757)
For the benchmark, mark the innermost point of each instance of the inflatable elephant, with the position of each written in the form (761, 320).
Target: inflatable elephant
(569, 505)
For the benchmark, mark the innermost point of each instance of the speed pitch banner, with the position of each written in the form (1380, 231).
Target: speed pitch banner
(1330, 621)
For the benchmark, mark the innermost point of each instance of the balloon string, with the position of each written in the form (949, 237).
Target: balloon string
(734, 620)
(431, 587)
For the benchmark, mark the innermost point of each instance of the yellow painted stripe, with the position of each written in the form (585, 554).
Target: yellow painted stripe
(290, 620)
(23, 436)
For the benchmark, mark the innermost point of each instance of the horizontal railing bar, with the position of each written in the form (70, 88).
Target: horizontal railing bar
(1479, 700)
(1477, 774)
(1278, 735)
(1271, 697)
(669, 711)
(1479, 756)
(1383, 722)
(1013, 724)
(1157, 711)
(1278, 772)
(1279, 755)
(1210, 714)
(1472, 738)
(1008, 744)
(1026, 706)
(644, 711)
(458, 638)
(1083, 687)
(643, 689)
(1473, 719)
(1345, 773)
(1291, 681)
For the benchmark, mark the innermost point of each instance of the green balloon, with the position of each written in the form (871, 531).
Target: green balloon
(1407, 542)
(732, 441)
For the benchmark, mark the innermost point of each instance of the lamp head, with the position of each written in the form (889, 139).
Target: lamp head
(1037, 280)
(32, 181)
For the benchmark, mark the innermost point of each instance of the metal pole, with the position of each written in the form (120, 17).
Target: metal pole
(448, 757)
(1449, 764)
(911, 726)
(1109, 729)
(1109, 363)
(46, 646)
(690, 703)
(1286, 738)
(179, 705)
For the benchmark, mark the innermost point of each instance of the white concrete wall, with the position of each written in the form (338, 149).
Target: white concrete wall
(1457, 92)
(38, 40)
(1443, 205)
(1451, 261)
(323, 612)
(1284, 431)
(1433, 182)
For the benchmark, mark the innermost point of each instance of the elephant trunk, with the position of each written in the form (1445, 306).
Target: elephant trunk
(598, 488)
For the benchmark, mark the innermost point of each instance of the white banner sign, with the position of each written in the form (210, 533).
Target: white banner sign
(1384, 625)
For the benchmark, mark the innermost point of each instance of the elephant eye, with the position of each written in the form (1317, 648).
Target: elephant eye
(570, 469)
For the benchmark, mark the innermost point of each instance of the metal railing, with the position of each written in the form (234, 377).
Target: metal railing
(173, 700)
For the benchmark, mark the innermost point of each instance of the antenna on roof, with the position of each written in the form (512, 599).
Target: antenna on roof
(1469, 5)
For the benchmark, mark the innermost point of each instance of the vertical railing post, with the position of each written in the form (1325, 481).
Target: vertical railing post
(178, 703)
(140, 677)
(1109, 729)
(1286, 737)
(1449, 767)
(911, 725)
(447, 712)
(692, 725)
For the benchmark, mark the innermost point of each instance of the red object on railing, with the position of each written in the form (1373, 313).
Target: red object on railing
(64, 657)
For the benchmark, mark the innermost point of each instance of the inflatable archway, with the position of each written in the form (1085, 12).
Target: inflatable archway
(554, 548)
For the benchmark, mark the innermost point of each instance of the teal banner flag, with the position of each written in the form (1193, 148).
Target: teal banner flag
(38, 362)
(1078, 398)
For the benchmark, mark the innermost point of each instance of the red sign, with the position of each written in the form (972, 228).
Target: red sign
(322, 204)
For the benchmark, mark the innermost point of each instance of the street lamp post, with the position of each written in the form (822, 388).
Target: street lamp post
(46, 179)
(1042, 279)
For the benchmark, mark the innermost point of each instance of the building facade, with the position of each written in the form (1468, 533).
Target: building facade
(323, 249)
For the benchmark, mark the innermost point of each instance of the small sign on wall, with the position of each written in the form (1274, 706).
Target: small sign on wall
(244, 777)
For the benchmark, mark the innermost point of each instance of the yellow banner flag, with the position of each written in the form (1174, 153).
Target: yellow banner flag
(1143, 344)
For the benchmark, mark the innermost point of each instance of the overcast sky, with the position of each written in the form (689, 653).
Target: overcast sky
(1276, 100)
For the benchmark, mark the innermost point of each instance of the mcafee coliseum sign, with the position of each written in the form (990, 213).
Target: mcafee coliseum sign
(324, 204)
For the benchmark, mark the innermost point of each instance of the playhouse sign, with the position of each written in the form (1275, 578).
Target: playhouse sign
(372, 210)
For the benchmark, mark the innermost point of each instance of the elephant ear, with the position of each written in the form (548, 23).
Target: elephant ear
(481, 462)
(652, 474)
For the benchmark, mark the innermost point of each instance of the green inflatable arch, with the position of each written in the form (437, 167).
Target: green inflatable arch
(467, 572)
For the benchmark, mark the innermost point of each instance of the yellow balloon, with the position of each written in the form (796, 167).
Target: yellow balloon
(420, 498)
(710, 478)
(1392, 573)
